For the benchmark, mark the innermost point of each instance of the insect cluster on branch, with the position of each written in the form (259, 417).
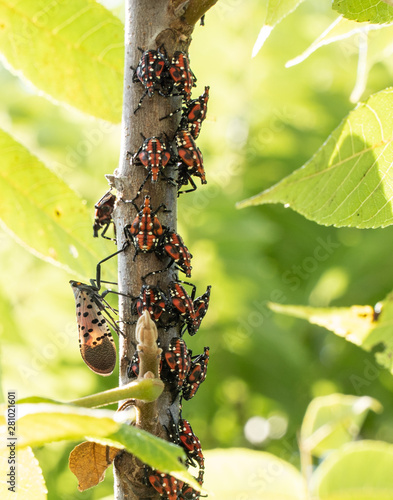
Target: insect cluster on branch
(175, 306)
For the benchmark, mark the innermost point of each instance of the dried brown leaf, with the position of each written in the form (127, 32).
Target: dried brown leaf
(89, 461)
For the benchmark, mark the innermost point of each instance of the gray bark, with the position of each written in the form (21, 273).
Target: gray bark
(148, 25)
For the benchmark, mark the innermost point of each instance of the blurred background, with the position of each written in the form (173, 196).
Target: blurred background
(264, 121)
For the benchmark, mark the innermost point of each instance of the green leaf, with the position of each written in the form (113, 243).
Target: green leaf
(30, 482)
(70, 49)
(331, 421)
(372, 11)
(39, 424)
(276, 11)
(348, 181)
(154, 451)
(144, 389)
(358, 471)
(43, 214)
(357, 324)
(353, 323)
(341, 29)
(236, 473)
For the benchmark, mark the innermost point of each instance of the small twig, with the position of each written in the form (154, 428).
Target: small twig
(196, 9)
(147, 415)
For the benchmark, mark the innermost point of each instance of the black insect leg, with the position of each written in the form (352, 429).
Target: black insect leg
(106, 229)
(193, 293)
(97, 282)
(170, 114)
(190, 180)
(140, 101)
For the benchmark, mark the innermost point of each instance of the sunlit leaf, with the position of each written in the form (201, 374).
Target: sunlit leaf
(71, 50)
(43, 214)
(29, 479)
(89, 461)
(360, 325)
(276, 11)
(358, 471)
(372, 11)
(353, 323)
(236, 473)
(331, 421)
(39, 424)
(340, 29)
(348, 182)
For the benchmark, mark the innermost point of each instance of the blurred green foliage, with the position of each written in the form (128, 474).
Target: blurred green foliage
(264, 121)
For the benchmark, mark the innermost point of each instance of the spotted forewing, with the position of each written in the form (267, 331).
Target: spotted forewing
(96, 343)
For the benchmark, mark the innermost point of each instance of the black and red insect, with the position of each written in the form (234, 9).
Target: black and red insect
(150, 72)
(103, 214)
(183, 79)
(188, 493)
(145, 231)
(133, 366)
(95, 339)
(191, 444)
(151, 299)
(167, 486)
(201, 305)
(155, 154)
(190, 160)
(172, 245)
(148, 235)
(196, 375)
(177, 361)
(182, 304)
(193, 114)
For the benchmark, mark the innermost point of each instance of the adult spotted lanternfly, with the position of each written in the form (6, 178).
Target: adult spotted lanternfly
(95, 339)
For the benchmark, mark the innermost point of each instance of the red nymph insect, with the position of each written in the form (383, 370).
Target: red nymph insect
(193, 114)
(152, 299)
(103, 214)
(190, 160)
(183, 79)
(167, 486)
(149, 72)
(177, 360)
(155, 154)
(146, 231)
(196, 375)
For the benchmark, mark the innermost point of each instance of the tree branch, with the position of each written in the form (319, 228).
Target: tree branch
(149, 24)
(146, 26)
(186, 13)
(196, 9)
